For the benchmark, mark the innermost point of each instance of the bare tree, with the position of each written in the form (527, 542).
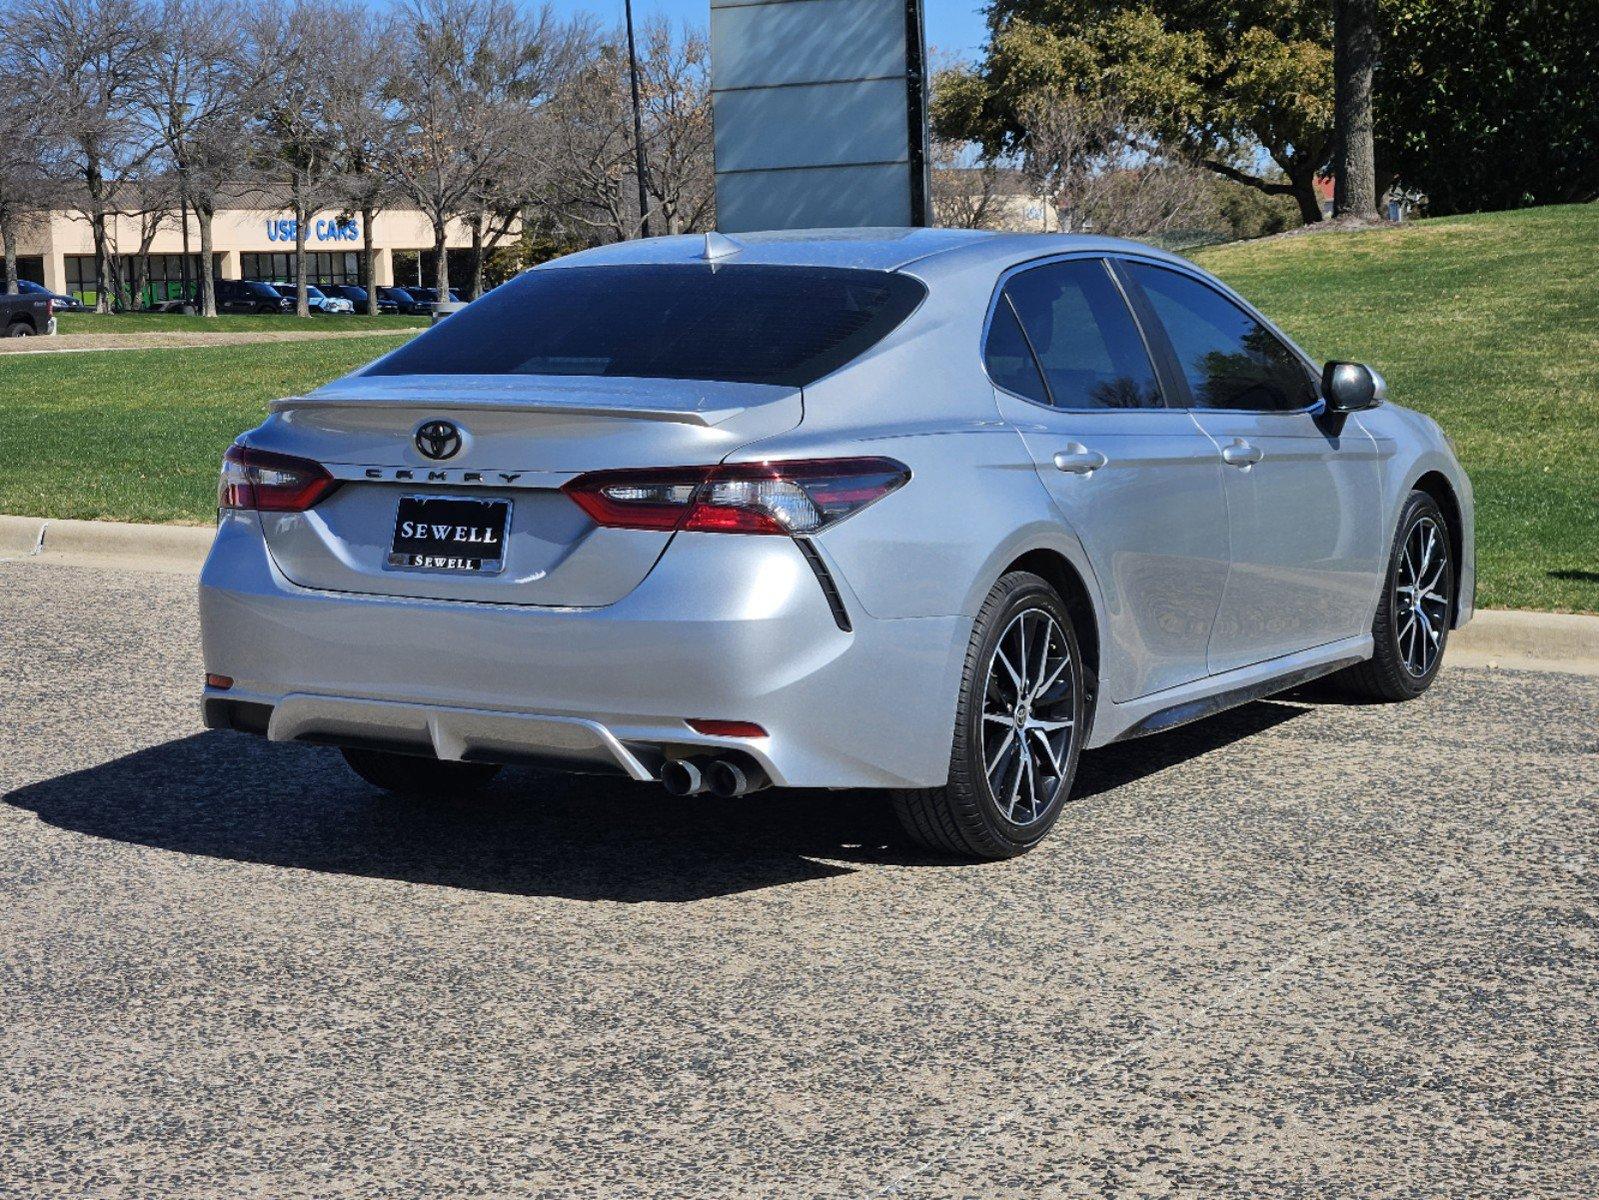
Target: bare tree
(86, 58)
(468, 74)
(362, 121)
(25, 152)
(1105, 171)
(588, 136)
(965, 186)
(286, 47)
(197, 95)
(148, 198)
(675, 88)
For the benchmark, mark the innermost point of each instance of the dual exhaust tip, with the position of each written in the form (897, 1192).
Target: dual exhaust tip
(724, 778)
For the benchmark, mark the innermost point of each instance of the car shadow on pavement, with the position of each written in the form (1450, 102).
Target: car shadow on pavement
(231, 796)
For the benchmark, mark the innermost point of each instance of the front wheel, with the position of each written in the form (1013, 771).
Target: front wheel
(1411, 627)
(412, 775)
(1018, 730)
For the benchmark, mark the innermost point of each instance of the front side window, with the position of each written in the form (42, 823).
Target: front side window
(738, 324)
(1230, 359)
(1084, 337)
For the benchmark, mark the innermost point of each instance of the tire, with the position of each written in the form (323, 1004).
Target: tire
(19, 329)
(412, 775)
(1409, 631)
(977, 815)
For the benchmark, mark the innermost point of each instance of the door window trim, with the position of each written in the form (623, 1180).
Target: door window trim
(1107, 264)
(1169, 352)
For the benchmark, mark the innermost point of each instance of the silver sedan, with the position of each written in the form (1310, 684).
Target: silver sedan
(928, 511)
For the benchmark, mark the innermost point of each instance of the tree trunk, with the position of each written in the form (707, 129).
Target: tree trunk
(1354, 57)
(367, 281)
(141, 278)
(1304, 184)
(102, 255)
(208, 278)
(302, 302)
(476, 284)
(103, 268)
(8, 242)
(441, 261)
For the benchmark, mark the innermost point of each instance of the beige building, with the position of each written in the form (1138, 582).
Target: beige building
(254, 242)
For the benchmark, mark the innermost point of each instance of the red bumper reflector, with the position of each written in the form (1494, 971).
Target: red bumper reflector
(744, 729)
(220, 682)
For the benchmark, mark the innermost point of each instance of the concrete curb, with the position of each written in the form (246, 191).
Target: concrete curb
(1529, 641)
(106, 543)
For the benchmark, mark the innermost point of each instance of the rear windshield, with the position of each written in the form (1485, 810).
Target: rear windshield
(735, 324)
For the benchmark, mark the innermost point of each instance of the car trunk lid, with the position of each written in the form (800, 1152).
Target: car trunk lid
(520, 439)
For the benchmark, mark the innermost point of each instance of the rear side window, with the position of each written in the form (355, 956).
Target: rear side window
(1230, 359)
(1009, 359)
(737, 324)
(1083, 334)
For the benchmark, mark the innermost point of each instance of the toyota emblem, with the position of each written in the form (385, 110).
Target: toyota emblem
(438, 439)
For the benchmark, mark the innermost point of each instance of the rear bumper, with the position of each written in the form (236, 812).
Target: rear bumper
(725, 626)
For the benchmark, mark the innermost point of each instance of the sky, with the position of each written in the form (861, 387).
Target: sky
(954, 27)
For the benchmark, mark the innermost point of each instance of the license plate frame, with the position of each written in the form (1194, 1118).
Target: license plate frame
(428, 554)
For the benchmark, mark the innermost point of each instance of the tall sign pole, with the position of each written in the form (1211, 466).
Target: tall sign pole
(638, 126)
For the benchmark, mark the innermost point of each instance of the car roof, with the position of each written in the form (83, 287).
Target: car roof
(881, 249)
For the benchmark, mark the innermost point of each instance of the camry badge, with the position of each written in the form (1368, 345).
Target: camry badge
(438, 439)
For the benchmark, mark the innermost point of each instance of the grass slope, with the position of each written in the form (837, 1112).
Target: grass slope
(1490, 324)
(71, 323)
(138, 435)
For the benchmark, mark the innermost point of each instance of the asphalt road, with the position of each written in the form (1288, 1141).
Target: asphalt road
(1305, 949)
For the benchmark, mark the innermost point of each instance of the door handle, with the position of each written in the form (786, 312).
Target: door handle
(1241, 454)
(1078, 459)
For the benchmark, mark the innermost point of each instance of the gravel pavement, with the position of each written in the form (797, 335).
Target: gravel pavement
(1303, 949)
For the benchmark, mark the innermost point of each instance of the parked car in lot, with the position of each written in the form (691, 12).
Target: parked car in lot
(930, 511)
(250, 296)
(23, 314)
(315, 299)
(62, 303)
(404, 302)
(431, 295)
(357, 297)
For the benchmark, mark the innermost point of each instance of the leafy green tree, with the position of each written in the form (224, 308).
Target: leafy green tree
(1490, 104)
(1218, 77)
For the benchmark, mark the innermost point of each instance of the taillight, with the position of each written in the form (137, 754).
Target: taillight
(799, 496)
(269, 482)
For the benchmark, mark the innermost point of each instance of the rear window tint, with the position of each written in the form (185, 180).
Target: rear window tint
(735, 324)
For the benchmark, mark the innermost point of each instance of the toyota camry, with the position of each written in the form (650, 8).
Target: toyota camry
(922, 511)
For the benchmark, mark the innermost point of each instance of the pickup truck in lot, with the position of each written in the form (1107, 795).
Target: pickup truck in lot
(25, 314)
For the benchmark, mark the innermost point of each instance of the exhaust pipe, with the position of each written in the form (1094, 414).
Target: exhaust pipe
(728, 778)
(683, 778)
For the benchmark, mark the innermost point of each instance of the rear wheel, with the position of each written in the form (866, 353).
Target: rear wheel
(411, 775)
(1018, 730)
(1412, 623)
(19, 329)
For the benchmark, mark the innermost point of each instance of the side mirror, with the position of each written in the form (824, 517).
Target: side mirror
(1351, 387)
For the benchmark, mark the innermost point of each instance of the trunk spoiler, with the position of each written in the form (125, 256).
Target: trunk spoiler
(682, 401)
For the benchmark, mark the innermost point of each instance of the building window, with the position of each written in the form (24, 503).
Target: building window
(164, 278)
(320, 267)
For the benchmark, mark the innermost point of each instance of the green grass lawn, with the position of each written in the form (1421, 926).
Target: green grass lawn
(137, 435)
(70, 323)
(1489, 324)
